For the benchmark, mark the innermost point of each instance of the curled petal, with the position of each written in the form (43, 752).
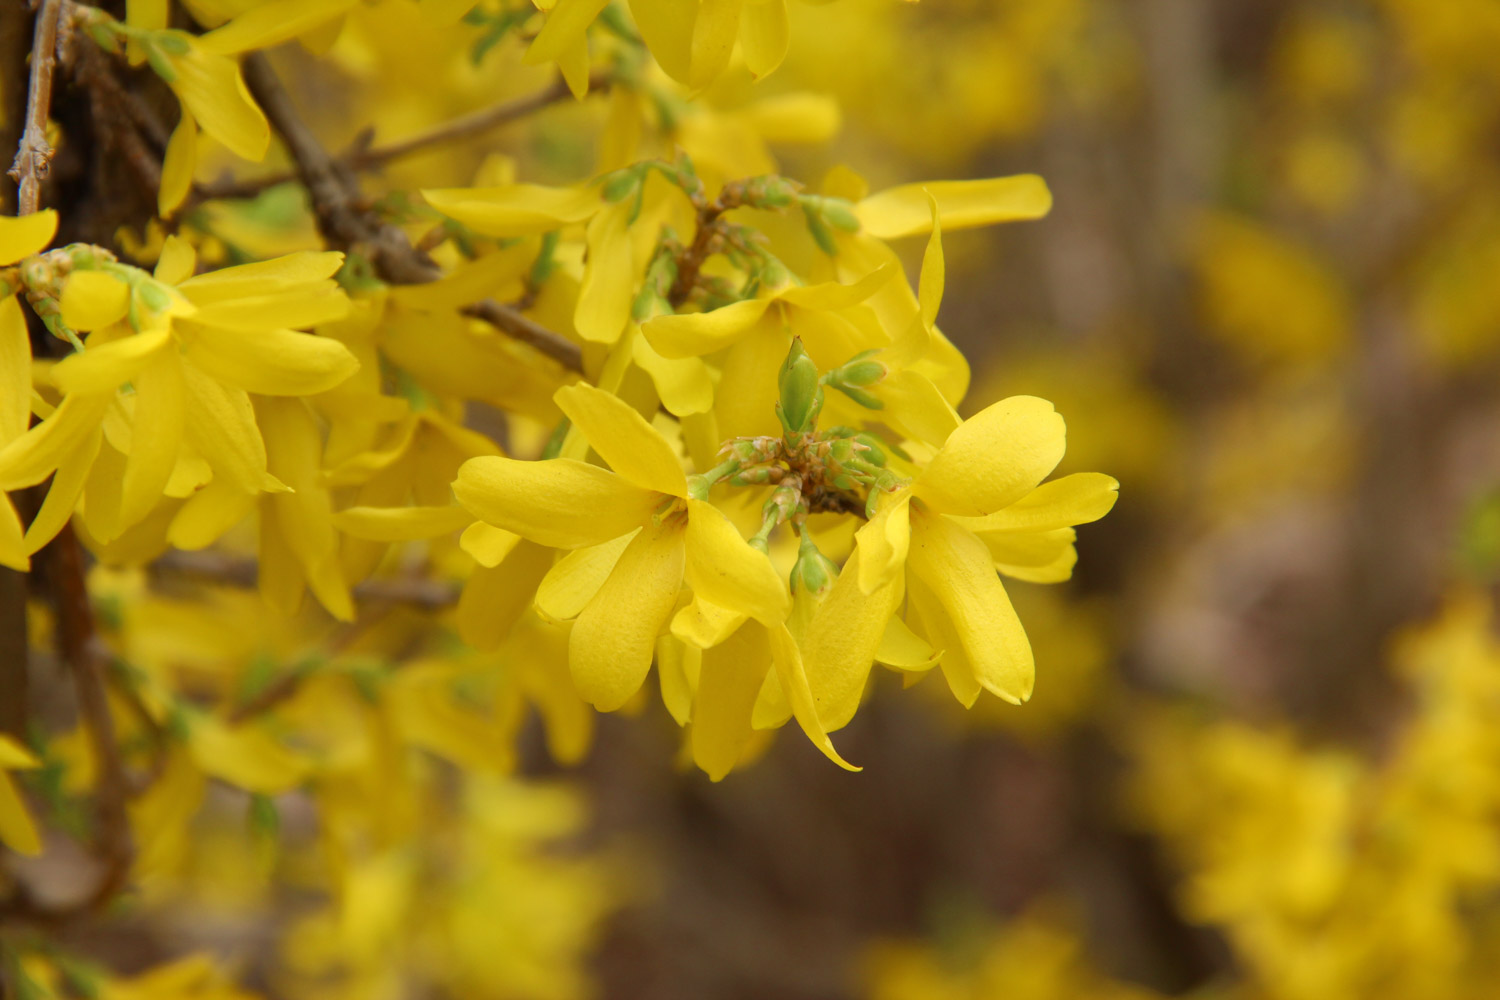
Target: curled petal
(726, 570)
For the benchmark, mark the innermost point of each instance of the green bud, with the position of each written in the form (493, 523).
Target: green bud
(153, 295)
(860, 396)
(840, 214)
(873, 454)
(862, 373)
(801, 395)
(546, 261)
(621, 184)
(814, 573)
(173, 43)
(819, 231)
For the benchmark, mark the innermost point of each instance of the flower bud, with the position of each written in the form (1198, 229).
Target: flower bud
(814, 572)
(801, 395)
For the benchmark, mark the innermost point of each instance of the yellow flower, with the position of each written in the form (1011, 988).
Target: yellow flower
(939, 540)
(207, 83)
(17, 831)
(640, 522)
(751, 338)
(19, 238)
(164, 408)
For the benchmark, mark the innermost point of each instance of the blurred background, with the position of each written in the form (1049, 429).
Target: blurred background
(1263, 755)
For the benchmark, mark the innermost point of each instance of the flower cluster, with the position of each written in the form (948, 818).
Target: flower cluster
(486, 447)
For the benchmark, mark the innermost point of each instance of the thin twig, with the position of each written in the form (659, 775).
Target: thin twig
(35, 152)
(515, 324)
(345, 223)
(82, 653)
(361, 155)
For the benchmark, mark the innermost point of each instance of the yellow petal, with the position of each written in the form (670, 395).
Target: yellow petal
(177, 166)
(883, 541)
(24, 235)
(160, 407)
(270, 362)
(445, 12)
(726, 570)
(93, 299)
(693, 335)
(515, 209)
(610, 648)
(915, 407)
(15, 371)
(702, 624)
(930, 290)
(798, 118)
(931, 621)
(17, 831)
(905, 210)
(15, 757)
(269, 24)
(1033, 556)
(903, 649)
(304, 269)
(304, 515)
(177, 261)
(211, 88)
(101, 514)
(573, 581)
(764, 35)
(994, 458)
(208, 514)
(34, 455)
(487, 544)
(956, 567)
(567, 22)
(12, 538)
(104, 368)
(559, 502)
(685, 385)
(729, 682)
(401, 524)
(623, 438)
(472, 280)
(221, 427)
(1076, 499)
(714, 34)
(677, 668)
(667, 27)
(494, 599)
(839, 645)
(836, 295)
(787, 659)
(245, 756)
(297, 309)
(609, 276)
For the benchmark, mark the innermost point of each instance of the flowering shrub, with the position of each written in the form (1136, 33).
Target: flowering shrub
(680, 410)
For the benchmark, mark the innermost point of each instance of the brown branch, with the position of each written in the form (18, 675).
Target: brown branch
(35, 152)
(82, 652)
(512, 322)
(119, 117)
(83, 655)
(346, 223)
(361, 155)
